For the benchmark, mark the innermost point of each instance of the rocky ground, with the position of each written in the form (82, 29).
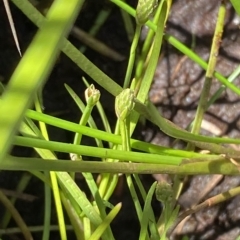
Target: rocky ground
(176, 90)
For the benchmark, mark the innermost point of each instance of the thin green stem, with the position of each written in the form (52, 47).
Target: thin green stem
(152, 114)
(73, 215)
(123, 108)
(53, 177)
(207, 203)
(101, 112)
(106, 222)
(219, 165)
(96, 151)
(218, 93)
(132, 56)
(202, 105)
(92, 96)
(58, 205)
(81, 106)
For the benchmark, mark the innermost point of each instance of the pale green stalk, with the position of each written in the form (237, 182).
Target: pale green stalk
(202, 105)
(132, 56)
(106, 222)
(75, 221)
(153, 115)
(222, 197)
(92, 96)
(124, 104)
(55, 188)
(81, 106)
(79, 197)
(107, 185)
(215, 96)
(218, 93)
(58, 206)
(97, 152)
(217, 165)
(110, 185)
(203, 101)
(147, 216)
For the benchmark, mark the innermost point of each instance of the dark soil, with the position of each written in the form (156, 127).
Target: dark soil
(176, 90)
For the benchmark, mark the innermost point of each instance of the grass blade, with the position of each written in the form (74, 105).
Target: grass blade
(29, 76)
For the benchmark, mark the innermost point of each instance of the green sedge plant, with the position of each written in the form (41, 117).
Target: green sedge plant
(91, 218)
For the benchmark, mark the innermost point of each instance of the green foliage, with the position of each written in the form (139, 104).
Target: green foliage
(236, 5)
(89, 217)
